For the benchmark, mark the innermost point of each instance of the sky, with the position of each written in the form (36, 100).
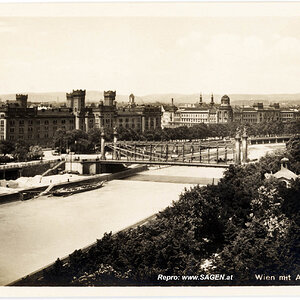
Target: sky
(148, 54)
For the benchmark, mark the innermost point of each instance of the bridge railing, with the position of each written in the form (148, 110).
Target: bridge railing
(174, 152)
(20, 165)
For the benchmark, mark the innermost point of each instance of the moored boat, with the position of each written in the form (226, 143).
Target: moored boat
(77, 189)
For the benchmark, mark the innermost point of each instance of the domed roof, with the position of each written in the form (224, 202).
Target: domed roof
(285, 159)
(225, 97)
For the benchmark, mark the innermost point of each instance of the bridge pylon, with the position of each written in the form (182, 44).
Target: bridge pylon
(245, 146)
(241, 148)
(102, 145)
(237, 156)
(115, 143)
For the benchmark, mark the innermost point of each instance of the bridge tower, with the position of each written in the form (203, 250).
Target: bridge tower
(115, 143)
(245, 145)
(237, 158)
(102, 145)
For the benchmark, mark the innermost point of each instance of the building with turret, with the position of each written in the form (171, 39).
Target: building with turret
(208, 113)
(138, 117)
(284, 174)
(38, 126)
(76, 103)
(225, 112)
(215, 113)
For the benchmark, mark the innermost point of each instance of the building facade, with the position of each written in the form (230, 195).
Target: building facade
(211, 113)
(259, 113)
(200, 113)
(140, 118)
(38, 126)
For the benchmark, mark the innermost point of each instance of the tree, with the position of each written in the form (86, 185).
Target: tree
(94, 136)
(35, 152)
(76, 140)
(59, 140)
(21, 151)
(6, 147)
(259, 246)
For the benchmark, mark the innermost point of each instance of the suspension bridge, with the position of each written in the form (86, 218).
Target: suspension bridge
(220, 153)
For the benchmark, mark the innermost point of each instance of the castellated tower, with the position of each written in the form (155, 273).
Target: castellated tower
(69, 100)
(76, 101)
(109, 98)
(22, 100)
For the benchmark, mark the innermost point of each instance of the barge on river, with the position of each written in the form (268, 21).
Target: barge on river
(77, 189)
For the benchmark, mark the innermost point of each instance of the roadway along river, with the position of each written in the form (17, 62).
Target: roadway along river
(36, 232)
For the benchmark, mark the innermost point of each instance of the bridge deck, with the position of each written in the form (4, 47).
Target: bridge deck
(168, 163)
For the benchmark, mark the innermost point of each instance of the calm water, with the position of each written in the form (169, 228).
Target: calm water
(35, 233)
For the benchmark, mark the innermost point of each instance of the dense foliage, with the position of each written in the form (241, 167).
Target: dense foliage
(201, 131)
(243, 226)
(86, 142)
(19, 151)
(74, 140)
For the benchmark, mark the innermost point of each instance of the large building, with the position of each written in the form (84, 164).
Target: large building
(259, 113)
(37, 126)
(211, 113)
(200, 113)
(139, 117)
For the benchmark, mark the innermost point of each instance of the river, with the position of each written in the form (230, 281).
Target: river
(36, 232)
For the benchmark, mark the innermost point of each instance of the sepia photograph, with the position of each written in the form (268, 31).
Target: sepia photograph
(149, 145)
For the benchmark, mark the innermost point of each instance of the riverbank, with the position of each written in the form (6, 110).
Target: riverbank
(64, 181)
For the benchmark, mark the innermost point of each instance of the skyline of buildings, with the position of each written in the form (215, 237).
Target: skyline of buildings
(213, 113)
(38, 124)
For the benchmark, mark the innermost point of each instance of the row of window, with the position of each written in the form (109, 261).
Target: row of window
(133, 126)
(45, 128)
(194, 115)
(127, 120)
(38, 122)
(29, 136)
(195, 121)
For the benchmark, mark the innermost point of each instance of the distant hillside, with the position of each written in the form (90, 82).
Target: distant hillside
(236, 99)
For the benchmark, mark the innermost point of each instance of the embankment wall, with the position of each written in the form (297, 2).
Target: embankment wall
(5, 198)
